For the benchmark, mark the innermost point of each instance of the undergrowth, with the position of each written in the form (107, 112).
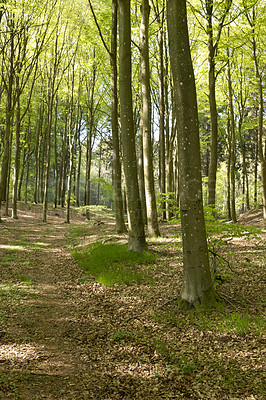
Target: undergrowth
(112, 263)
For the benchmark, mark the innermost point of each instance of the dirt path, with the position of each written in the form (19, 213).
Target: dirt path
(56, 340)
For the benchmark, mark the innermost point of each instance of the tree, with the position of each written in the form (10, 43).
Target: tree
(120, 223)
(253, 20)
(197, 284)
(152, 221)
(137, 240)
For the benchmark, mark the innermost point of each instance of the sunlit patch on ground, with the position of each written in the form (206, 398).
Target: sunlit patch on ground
(17, 351)
(11, 247)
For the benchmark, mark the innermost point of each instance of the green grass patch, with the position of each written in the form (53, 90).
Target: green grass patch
(95, 211)
(219, 320)
(23, 279)
(112, 263)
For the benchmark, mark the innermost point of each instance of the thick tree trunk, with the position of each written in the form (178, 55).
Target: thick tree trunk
(137, 240)
(197, 283)
(151, 210)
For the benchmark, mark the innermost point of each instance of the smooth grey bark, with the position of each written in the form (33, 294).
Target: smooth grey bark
(233, 142)
(55, 155)
(197, 283)
(117, 174)
(259, 76)
(137, 241)
(151, 209)
(159, 15)
(9, 113)
(141, 172)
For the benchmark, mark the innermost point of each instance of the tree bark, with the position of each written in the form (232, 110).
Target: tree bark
(233, 141)
(197, 283)
(137, 240)
(119, 213)
(151, 210)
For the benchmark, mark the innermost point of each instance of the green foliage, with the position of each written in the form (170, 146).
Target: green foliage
(119, 335)
(172, 206)
(23, 279)
(112, 263)
(106, 187)
(220, 320)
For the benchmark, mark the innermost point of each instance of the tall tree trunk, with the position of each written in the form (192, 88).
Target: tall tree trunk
(213, 108)
(38, 156)
(245, 169)
(261, 143)
(256, 169)
(48, 152)
(9, 113)
(197, 282)
(212, 52)
(63, 169)
(233, 141)
(141, 172)
(119, 212)
(78, 164)
(162, 175)
(17, 159)
(228, 198)
(55, 156)
(152, 221)
(137, 240)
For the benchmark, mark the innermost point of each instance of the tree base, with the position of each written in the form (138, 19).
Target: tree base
(208, 300)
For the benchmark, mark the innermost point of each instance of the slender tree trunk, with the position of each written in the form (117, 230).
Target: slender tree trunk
(17, 160)
(48, 152)
(141, 172)
(213, 108)
(62, 180)
(78, 165)
(228, 199)
(233, 141)
(261, 143)
(162, 180)
(22, 174)
(38, 157)
(8, 124)
(197, 283)
(245, 169)
(152, 221)
(256, 170)
(137, 240)
(119, 213)
(55, 156)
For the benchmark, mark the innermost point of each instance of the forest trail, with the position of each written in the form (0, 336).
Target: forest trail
(64, 339)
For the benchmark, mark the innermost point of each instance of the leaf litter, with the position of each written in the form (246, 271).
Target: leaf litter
(66, 337)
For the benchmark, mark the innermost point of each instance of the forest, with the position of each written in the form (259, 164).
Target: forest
(133, 186)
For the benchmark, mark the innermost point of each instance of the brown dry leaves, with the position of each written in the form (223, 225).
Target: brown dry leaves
(63, 339)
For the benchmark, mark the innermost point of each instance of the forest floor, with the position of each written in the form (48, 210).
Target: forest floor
(66, 337)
